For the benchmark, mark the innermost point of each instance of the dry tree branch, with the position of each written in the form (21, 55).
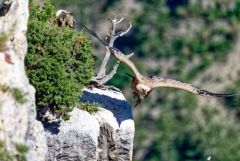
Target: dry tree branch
(106, 78)
(101, 77)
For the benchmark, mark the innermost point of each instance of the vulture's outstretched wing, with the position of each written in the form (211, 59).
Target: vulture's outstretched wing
(155, 82)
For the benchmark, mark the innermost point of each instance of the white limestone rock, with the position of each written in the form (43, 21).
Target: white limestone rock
(17, 120)
(105, 135)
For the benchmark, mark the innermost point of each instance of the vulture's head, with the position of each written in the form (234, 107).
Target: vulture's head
(65, 19)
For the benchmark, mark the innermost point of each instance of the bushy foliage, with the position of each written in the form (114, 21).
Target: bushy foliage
(59, 61)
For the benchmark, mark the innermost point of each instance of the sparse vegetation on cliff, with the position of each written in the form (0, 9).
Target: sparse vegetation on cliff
(7, 156)
(3, 40)
(4, 154)
(91, 108)
(18, 95)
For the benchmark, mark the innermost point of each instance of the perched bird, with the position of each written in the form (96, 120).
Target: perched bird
(142, 86)
(65, 19)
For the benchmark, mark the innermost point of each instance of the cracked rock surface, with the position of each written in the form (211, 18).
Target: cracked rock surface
(105, 135)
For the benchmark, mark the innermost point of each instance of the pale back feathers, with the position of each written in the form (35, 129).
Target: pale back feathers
(155, 82)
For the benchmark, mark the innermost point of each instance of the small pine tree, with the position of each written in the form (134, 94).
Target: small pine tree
(59, 61)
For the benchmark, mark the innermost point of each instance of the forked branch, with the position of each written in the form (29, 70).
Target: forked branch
(102, 77)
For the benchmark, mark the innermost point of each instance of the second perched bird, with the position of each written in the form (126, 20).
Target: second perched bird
(65, 19)
(142, 86)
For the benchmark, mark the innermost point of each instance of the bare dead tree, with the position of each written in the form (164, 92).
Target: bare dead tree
(102, 77)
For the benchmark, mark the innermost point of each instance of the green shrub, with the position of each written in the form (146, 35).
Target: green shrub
(59, 61)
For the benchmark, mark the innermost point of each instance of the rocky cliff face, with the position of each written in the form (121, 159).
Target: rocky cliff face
(105, 135)
(17, 103)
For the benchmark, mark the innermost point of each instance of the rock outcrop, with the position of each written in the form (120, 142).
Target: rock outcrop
(18, 124)
(105, 135)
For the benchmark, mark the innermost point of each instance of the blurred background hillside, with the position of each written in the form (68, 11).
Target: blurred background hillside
(196, 41)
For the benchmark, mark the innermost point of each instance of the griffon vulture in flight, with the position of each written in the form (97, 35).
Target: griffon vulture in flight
(142, 86)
